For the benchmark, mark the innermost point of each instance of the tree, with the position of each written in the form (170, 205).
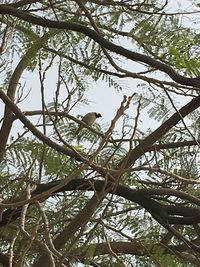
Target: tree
(117, 195)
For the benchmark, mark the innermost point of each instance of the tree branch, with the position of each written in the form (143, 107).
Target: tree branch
(9, 10)
(139, 150)
(183, 213)
(13, 83)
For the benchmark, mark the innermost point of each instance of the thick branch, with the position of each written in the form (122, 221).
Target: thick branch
(6, 9)
(13, 83)
(182, 214)
(139, 150)
(4, 260)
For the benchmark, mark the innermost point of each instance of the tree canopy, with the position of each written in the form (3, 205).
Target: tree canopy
(125, 191)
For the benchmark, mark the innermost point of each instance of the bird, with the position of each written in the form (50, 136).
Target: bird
(88, 119)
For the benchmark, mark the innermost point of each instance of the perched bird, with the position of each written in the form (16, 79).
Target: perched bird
(89, 119)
